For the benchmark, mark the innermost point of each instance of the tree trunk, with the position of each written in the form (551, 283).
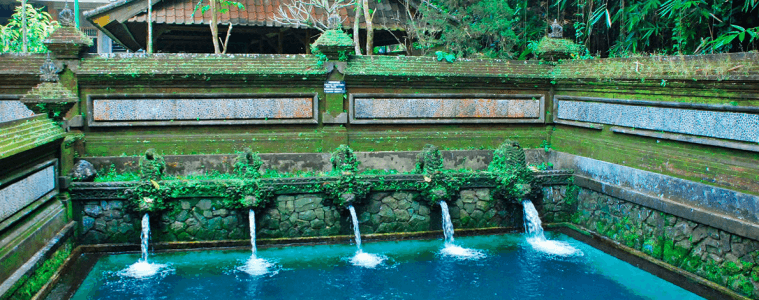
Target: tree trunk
(150, 28)
(214, 27)
(356, 29)
(369, 29)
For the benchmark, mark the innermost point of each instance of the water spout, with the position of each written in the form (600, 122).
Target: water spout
(534, 230)
(145, 237)
(447, 224)
(142, 268)
(450, 249)
(255, 266)
(356, 232)
(362, 259)
(252, 224)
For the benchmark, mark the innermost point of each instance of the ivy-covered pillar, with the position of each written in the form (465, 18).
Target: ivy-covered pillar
(333, 49)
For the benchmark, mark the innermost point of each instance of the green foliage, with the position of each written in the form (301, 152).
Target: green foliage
(245, 193)
(223, 4)
(27, 287)
(347, 189)
(514, 180)
(148, 196)
(321, 58)
(343, 160)
(449, 57)
(111, 175)
(467, 28)
(429, 160)
(248, 164)
(438, 186)
(39, 26)
(152, 165)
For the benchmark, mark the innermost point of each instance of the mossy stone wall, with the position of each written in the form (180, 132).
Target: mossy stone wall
(301, 215)
(718, 256)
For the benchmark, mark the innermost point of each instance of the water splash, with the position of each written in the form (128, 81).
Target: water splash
(255, 266)
(451, 249)
(362, 259)
(537, 239)
(143, 268)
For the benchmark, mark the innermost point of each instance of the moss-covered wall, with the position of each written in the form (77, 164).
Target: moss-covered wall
(718, 256)
(301, 215)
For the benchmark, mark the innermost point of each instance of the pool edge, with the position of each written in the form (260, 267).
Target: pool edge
(658, 268)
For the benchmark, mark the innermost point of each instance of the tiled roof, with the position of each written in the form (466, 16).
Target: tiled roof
(430, 66)
(21, 135)
(181, 64)
(389, 15)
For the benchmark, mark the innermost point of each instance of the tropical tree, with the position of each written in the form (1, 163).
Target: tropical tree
(218, 7)
(468, 27)
(39, 25)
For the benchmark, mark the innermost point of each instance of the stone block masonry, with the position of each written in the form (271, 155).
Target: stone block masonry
(724, 258)
(299, 215)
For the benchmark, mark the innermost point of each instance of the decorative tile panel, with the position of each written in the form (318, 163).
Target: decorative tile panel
(13, 110)
(740, 126)
(19, 194)
(211, 110)
(370, 108)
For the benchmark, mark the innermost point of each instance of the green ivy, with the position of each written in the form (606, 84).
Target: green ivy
(347, 189)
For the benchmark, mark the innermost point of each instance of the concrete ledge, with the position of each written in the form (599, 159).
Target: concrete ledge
(595, 126)
(698, 196)
(402, 161)
(687, 138)
(677, 276)
(696, 214)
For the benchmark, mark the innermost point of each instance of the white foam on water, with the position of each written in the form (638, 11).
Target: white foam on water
(143, 269)
(458, 252)
(558, 248)
(367, 260)
(536, 238)
(258, 267)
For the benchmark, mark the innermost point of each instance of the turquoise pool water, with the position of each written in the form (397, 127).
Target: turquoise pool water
(511, 269)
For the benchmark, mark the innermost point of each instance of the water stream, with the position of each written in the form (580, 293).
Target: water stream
(534, 230)
(142, 268)
(255, 266)
(451, 249)
(361, 258)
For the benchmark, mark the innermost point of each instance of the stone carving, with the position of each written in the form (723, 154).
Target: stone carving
(152, 166)
(557, 31)
(49, 70)
(429, 160)
(83, 171)
(248, 164)
(344, 161)
(66, 17)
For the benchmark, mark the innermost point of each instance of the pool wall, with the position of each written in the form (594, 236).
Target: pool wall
(718, 243)
(303, 215)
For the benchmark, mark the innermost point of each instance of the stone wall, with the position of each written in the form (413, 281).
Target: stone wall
(302, 215)
(721, 257)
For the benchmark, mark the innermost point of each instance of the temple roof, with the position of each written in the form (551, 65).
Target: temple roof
(24, 134)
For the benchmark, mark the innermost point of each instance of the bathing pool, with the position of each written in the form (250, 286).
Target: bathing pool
(510, 268)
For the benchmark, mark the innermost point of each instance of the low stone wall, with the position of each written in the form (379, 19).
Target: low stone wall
(716, 255)
(302, 215)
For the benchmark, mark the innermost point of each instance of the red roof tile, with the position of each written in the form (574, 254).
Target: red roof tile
(262, 12)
